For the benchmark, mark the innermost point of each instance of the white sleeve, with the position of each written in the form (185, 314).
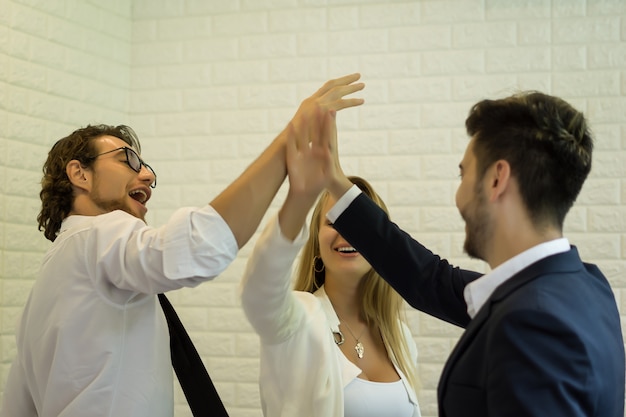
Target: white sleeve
(197, 243)
(194, 246)
(16, 399)
(266, 294)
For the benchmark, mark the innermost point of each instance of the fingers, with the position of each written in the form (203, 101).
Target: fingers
(334, 99)
(345, 103)
(344, 90)
(307, 122)
(330, 84)
(331, 96)
(332, 92)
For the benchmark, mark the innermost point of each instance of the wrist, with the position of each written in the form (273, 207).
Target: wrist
(338, 186)
(301, 198)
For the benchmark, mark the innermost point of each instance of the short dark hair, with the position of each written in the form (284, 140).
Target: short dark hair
(56, 189)
(547, 143)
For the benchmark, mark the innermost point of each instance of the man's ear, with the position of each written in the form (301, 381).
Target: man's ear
(500, 177)
(78, 175)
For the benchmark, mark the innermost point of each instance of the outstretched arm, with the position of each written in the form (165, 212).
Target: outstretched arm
(267, 300)
(244, 202)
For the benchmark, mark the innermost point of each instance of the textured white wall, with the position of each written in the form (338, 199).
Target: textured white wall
(208, 83)
(63, 64)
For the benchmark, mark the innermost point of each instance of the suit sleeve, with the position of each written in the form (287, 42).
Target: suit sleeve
(427, 282)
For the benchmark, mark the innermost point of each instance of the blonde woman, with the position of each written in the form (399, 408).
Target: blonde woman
(334, 345)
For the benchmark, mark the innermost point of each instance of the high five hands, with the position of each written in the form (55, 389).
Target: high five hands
(312, 157)
(311, 149)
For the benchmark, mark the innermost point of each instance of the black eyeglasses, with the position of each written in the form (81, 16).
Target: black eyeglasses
(133, 161)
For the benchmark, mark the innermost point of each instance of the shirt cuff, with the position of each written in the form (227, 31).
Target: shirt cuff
(197, 243)
(342, 204)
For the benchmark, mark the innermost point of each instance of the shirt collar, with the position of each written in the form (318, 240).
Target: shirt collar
(478, 292)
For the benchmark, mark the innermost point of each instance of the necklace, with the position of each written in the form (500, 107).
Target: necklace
(359, 346)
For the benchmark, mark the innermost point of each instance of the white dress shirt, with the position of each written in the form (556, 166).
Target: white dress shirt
(477, 292)
(302, 371)
(93, 340)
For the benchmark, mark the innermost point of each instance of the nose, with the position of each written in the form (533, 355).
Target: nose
(148, 176)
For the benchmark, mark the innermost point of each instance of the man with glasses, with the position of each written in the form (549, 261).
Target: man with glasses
(93, 340)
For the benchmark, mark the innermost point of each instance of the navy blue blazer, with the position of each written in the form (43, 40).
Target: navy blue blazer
(547, 343)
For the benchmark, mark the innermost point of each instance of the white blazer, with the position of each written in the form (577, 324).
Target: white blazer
(302, 371)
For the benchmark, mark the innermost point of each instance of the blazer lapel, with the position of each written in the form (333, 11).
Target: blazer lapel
(465, 340)
(563, 262)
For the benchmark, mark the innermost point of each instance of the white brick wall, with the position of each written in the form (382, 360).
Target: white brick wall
(208, 83)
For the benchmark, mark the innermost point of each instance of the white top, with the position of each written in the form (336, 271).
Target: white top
(302, 371)
(376, 399)
(93, 340)
(477, 292)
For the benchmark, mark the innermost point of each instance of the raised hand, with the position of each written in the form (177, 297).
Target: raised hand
(310, 162)
(329, 97)
(311, 133)
(311, 149)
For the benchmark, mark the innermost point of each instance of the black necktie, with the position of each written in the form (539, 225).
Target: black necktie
(199, 390)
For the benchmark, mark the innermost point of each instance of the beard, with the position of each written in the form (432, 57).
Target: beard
(110, 205)
(478, 227)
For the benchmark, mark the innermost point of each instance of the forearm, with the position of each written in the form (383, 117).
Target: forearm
(292, 215)
(244, 202)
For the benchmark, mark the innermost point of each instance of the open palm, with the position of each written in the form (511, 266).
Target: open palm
(310, 160)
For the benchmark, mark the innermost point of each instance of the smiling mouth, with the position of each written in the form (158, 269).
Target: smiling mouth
(346, 249)
(139, 195)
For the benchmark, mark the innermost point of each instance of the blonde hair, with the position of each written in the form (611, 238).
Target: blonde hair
(381, 304)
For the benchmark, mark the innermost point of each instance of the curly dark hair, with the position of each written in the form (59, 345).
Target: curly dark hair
(547, 143)
(56, 193)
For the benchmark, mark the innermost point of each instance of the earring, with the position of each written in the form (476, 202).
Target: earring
(317, 261)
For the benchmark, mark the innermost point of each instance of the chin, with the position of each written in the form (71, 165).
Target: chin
(470, 249)
(134, 213)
